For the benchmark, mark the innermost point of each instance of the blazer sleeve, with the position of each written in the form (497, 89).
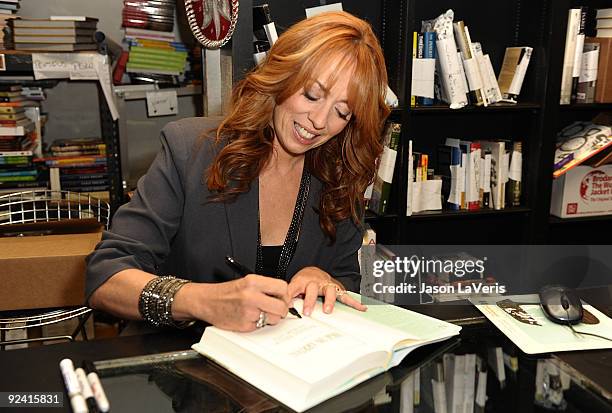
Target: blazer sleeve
(142, 230)
(345, 266)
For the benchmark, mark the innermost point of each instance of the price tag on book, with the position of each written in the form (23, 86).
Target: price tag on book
(162, 103)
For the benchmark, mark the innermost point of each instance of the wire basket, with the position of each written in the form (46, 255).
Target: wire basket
(39, 206)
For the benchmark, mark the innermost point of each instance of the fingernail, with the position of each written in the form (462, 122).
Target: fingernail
(307, 311)
(327, 309)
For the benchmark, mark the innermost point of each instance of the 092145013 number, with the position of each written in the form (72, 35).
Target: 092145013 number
(31, 399)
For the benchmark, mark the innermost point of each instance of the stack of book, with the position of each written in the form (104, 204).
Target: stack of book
(604, 23)
(149, 14)
(19, 143)
(17, 131)
(587, 61)
(157, 57)
(18, 172)
(55, 34)
(81, 162)
(449, 66)
(8, 7)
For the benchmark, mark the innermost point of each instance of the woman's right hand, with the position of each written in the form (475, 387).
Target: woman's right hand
(236, 305)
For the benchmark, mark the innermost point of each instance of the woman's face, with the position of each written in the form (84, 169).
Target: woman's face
(314, 115)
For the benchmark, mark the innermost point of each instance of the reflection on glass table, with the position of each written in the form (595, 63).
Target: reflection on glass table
(483, 372)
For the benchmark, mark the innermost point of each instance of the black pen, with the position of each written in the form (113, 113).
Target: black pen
(244, 271)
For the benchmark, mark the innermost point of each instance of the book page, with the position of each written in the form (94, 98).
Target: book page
(384, 325)
(315, 347)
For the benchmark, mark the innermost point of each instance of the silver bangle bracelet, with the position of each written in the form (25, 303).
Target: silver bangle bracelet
(156, 299)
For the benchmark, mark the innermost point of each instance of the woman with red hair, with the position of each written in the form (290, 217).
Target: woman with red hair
(277, 184)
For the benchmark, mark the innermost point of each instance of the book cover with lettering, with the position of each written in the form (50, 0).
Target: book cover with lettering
(577, 143)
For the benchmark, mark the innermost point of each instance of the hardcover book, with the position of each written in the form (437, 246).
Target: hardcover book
(386, 167)
(302, 362)
(603, 87)
(577, 143)
(55, 47)
(89, 23)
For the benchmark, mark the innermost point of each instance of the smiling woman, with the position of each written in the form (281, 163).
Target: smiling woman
(278, 184)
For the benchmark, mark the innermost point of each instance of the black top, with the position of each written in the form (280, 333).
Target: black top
(270, 255)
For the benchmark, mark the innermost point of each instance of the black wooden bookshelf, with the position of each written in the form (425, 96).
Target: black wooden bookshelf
(534, 121)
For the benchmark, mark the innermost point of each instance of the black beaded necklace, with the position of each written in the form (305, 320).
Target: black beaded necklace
(288, 248)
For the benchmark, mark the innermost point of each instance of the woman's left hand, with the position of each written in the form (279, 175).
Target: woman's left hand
(312, 282)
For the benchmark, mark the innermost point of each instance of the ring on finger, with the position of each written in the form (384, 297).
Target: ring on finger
(262, 320)
(339, 291)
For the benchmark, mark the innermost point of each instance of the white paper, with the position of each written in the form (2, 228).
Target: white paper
(102, 69)
(391, 98)
(464, 81)
(76, 66)
(427, 195)
(457, 184)
(387, 164)
(521, 70)
(516, 166)
(588, 72)
(472, 74)
(451, 73)
(578, 55)
(503, 168)
(313, 11)
(162, 103)
(486, 185)
(64, 65)
(423, 77)
(492, 87)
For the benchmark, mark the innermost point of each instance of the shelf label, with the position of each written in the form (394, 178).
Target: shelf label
(162, 103)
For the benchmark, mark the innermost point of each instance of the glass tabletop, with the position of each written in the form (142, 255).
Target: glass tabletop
(479, 372)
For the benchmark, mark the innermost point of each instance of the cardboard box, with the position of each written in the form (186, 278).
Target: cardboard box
(44, 271)
(582, 191)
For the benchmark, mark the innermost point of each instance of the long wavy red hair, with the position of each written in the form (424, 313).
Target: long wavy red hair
(345, 164)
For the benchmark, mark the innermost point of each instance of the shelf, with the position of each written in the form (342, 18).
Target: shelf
(134, 92)
(556, 220)
(371, 216)
(501, 107)
(586, 106)
(464, 213)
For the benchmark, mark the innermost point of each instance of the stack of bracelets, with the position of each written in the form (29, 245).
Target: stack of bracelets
(155, 302)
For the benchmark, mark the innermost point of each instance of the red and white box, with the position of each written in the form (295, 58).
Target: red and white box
(582, 191)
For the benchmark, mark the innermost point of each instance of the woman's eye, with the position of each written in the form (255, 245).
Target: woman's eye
(342, 115)
(309, 97)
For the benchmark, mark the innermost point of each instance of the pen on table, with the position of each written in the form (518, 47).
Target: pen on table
(96, 386)
(73, 388)
(244, 271)
(86, 390)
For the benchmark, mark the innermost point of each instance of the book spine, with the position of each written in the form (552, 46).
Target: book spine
(415, 40)
(429, 52)
(573, 26)
(513, 187)
(578, 53)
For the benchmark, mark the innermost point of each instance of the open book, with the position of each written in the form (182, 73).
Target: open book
(302, 362)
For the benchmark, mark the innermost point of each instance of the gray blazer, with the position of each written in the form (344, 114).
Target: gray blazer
(169, 228)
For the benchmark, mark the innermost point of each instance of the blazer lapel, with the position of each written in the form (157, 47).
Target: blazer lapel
(310, 235)
(242, 225)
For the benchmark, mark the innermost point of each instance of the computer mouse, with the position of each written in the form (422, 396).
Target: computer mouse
(561, 304)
